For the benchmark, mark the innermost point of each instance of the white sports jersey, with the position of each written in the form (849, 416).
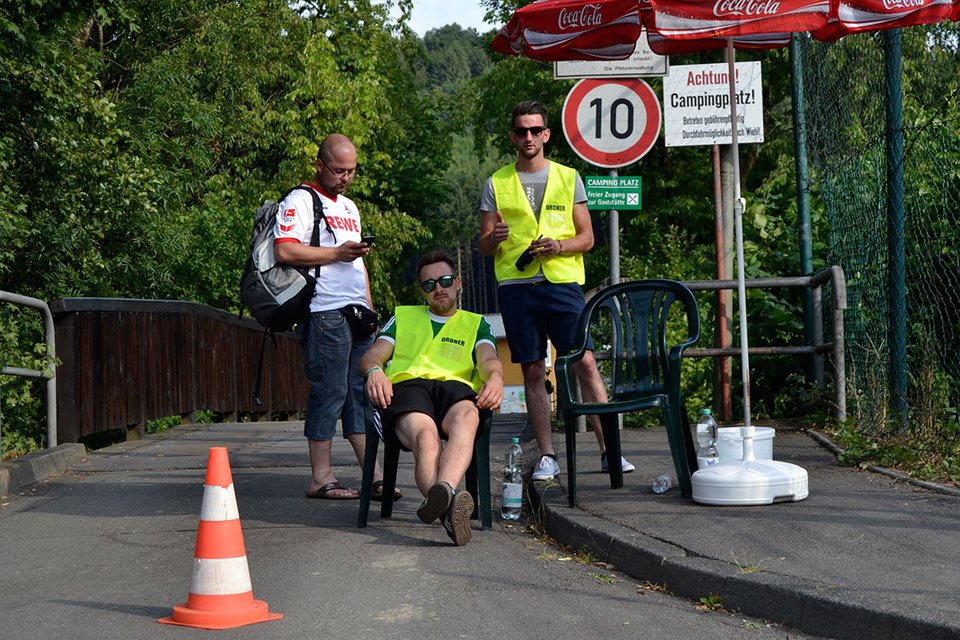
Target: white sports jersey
(338, 283)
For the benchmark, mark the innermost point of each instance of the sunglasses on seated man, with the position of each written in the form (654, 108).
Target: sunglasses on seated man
(445, 281)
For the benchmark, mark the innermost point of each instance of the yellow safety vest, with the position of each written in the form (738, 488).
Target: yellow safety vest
(418, 353)
(555, 221)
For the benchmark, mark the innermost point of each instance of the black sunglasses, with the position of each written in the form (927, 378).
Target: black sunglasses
(445, 281)
(521, 132)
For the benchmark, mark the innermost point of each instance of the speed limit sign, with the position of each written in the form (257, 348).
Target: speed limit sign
(611, 123)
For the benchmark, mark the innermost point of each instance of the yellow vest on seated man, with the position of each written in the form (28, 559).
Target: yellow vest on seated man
(448, 355)
(555, 221)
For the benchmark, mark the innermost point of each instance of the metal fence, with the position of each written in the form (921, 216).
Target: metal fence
(51, 354)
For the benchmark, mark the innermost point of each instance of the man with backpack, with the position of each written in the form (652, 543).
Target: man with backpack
(332, 349)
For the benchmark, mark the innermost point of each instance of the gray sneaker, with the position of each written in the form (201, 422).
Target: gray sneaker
(436, 503)
(457, 520)
(547, 469)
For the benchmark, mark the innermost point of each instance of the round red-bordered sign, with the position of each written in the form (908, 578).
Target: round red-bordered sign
(611, 123)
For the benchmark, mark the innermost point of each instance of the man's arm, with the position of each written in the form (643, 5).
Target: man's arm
(379, 387)
(366, 276)
(303, 255)
(491, 372)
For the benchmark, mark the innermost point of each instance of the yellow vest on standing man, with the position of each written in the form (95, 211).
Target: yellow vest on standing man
(555, 221)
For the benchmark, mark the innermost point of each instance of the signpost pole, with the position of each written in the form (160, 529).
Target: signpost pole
(614, 240)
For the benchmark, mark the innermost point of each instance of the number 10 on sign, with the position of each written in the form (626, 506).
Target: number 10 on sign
(611, 123)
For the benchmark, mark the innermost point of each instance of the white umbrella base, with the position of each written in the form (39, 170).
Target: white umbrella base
(754, 482)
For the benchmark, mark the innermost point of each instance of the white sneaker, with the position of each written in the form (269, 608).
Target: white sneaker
(546, 470)
(625, 464)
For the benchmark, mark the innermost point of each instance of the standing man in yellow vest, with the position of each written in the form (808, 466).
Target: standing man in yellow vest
(443, 369)
(534, 221)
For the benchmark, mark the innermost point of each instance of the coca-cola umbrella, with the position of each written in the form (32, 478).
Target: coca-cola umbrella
(577, 30)
(571, 30)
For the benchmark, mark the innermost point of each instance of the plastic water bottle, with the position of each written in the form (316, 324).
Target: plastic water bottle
(707, 453)
(662, 483)
(511, 501)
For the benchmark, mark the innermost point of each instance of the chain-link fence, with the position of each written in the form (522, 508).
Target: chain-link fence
(903, 272)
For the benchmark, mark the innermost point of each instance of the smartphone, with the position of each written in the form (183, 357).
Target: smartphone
(523, 261)
(525, 258)
(368, 239)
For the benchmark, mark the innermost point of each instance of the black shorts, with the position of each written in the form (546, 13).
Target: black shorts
(430, 397)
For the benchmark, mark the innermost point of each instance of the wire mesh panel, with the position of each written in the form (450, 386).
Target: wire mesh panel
(846, 115)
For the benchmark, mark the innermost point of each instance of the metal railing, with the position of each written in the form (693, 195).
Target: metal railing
(49, 374)
(835, 277)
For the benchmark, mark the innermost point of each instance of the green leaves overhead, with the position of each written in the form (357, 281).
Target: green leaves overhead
(138, 137)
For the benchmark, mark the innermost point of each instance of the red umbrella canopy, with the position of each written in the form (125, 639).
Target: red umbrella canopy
(826, 19)
(609, 29)
(854, 16)
(691, 19)
(571, 30)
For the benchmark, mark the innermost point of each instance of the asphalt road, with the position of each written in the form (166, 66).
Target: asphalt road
(105, 549)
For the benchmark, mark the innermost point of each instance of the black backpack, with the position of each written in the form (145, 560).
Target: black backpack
(277, 295)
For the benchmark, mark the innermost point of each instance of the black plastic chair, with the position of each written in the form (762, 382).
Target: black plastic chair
(632, 326)
(477, 478)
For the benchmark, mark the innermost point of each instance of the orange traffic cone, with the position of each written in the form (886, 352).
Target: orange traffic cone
(221, 595)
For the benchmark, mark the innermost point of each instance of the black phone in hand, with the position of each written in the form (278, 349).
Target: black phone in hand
(524, 260)
(368, 239)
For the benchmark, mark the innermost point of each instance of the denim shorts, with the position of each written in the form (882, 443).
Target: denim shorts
(332, 363)
(534, 312)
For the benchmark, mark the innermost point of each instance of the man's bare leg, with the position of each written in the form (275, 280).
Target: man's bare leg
(538, 404)
(417, 432)
(359, 443)
(321, 470)
(460, 426)
(593, 390)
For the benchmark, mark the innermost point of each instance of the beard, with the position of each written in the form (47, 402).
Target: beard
(443, 306)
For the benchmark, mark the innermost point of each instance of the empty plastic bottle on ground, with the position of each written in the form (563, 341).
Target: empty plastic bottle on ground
(662, 483)
(707, 454)
(511, 501)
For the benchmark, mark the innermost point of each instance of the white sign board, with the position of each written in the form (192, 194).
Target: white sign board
(643, 62)
(696, 104)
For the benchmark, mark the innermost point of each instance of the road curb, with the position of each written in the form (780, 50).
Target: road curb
(811, 607)
(26, 470)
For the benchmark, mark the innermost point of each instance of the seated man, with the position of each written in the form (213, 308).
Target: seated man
(443, 369)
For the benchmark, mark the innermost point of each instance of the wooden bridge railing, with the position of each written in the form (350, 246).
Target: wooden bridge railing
(124, 362)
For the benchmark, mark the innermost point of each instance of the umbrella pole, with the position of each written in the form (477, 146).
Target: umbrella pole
(738, 207)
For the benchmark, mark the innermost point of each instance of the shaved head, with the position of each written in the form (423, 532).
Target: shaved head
(336, 163)
(334, 145)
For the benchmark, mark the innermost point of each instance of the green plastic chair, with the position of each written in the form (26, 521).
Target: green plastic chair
(633, 329)
(477, 479)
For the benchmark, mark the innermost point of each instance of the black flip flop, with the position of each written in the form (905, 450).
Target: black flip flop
(324, 492)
